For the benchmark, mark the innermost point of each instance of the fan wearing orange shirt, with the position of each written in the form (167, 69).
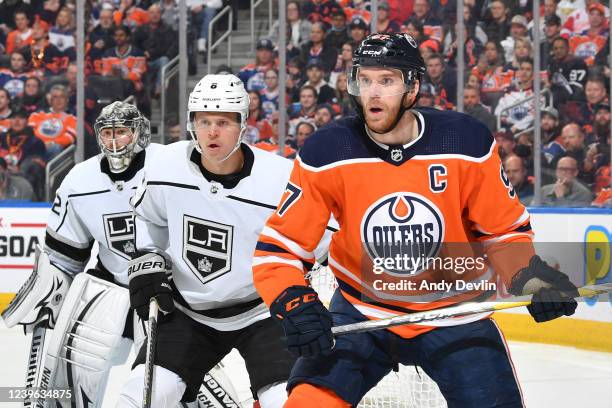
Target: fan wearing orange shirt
(21, 35)
(405, 185)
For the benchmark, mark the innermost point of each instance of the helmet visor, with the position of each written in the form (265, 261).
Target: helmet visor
(377, 82)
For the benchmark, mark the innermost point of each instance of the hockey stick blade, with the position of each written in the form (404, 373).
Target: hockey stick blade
(454, 311)
(150, 357)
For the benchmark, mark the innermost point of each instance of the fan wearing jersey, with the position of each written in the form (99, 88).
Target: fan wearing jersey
(401, 179)
(89, 311)
(199, 213)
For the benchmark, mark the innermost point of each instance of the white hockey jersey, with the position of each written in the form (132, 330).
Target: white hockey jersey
(209, 231)
(92, 205)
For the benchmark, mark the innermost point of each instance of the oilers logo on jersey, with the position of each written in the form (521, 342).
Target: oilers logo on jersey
(207, 247)
(119, 231)
(404, 224)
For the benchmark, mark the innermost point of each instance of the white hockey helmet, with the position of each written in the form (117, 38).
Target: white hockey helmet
(119, 115)
(219, 93)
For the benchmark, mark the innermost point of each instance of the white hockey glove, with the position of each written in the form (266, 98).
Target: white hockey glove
(40, 298)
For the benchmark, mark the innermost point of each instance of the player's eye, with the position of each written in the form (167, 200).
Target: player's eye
(387, 81)
(364, 81)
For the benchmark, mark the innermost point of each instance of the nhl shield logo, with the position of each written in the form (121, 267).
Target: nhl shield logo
(207, 247)
(119, 231)
(397, 155)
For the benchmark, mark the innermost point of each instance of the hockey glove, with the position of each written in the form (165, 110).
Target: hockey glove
(306, 322)
(148, 279)
(553, 293)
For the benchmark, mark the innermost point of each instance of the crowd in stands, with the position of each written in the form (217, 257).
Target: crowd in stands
(129, 41)
(499, 77)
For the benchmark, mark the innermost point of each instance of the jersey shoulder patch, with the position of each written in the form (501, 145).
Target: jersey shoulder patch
(448, 132)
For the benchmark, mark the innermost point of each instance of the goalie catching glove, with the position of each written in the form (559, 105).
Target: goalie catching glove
(148, 279)
(306, 322)
(553, 293)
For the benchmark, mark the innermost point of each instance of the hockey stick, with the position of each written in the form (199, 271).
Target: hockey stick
(454, 311)
(34, 374)
(150, 358)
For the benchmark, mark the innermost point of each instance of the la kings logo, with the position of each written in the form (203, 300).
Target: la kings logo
(207, 247)
(119, 231)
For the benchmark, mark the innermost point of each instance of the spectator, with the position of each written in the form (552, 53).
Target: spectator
(13, 79)
(170, 13)
(427, 96)
(62, 33)
(303, 130)
(44, 55)
(91, 98)
(600, 131)
(315, 50)
(305, 108)
(490, 71)
(174, 133)
(32, 99)
(518, 117)
(516, 170)
(471, 50)
(5, 110)
(338, 33)
(158, 41)
(298, 29)
(49, 10)
(567, 73)
(21, 36)
(269, 95)
(55, 127)
(566, 191)
(203, 12)
(319, 10)
(505, 141)
(587, 44)
(400, 10)
(574, 144)
(518, 29)
(271, 144)
(496, 25)
(130, 15)
(252, 75)
(358, 30)
(383, 23)
(323, 115)
(126, 62)
(314, 73)
(522, 50)
(342, 96)
(443, 79)
(552, 142)
(432, 27)
(12, 186)
(595, 94)
(24, 152)
(359, 9)
(101, 37)
(258, 127)
(552, 28)
(474, 108)
(473, 25)
(344, 63)
(577, 20)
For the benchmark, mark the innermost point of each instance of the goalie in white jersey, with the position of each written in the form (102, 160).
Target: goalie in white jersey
(89, 312)
(198, 213)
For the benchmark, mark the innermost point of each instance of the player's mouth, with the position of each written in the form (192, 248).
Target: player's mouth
(214, 146)
(375, 110)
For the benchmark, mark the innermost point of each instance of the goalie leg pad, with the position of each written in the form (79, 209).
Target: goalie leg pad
(273, 396)
(87, 339)
(168, 389)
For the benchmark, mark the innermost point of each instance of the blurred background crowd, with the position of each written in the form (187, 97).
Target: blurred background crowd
(129, 41)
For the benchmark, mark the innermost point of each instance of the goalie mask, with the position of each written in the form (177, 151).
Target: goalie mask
(218, 93)
(122, 131)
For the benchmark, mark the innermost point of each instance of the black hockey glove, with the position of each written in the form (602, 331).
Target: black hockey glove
(306, 322)
(553, 293)
(147, 275)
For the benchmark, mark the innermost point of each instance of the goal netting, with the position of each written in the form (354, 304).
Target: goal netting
(408, 388)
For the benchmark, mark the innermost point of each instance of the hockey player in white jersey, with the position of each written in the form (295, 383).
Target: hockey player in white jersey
(198, 214)
(89, 311)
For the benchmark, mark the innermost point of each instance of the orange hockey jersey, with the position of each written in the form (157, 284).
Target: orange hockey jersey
(54, 127)
(443, 196)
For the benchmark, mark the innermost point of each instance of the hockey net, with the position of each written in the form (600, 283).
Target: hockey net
(408, 388)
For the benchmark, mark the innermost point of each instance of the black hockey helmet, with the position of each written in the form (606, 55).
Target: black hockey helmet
(399, 51)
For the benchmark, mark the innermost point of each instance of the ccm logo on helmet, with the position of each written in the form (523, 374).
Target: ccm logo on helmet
(372, 52)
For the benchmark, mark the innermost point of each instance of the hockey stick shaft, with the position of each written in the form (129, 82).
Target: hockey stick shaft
(454, 311)
(35, 363)
(150, 357)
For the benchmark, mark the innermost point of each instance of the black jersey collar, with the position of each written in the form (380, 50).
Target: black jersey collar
(137, 163)
(396, 154)
(227, 180)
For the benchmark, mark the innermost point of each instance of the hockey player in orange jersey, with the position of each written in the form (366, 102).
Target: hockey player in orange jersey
(400, 180)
